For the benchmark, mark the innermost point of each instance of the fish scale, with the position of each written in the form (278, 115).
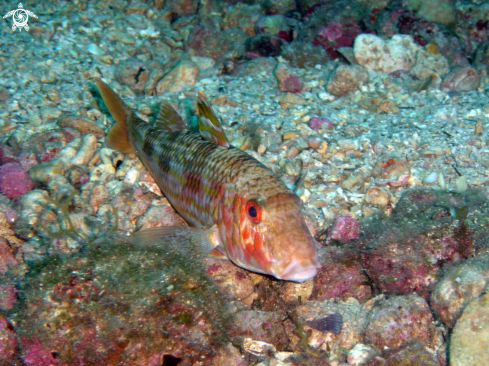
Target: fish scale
(238, 208)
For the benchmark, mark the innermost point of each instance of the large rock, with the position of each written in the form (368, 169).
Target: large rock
(470, 337)
(397, 53)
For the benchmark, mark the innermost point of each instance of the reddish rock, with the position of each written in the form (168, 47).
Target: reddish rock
(403, 254)
(14, 181)
(183, 7)
(344, 229)
(341, 276)
(346, 78)
(28, 160)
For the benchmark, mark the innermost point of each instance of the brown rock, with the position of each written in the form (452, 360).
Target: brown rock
(181, 76)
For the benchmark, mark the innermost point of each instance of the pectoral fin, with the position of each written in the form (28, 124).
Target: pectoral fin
(181, 238)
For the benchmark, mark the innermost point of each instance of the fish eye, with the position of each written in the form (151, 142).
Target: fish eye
(253, 211)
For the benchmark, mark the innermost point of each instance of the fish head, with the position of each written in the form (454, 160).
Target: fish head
(274, 238)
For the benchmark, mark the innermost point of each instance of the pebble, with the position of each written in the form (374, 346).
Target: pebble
(49, 77)
(361, 354)
(49, 113)
(82, 124)
(86, 151)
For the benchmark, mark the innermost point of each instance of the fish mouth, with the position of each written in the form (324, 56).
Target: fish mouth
(297, 273)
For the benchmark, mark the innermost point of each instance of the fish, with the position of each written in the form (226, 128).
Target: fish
(236, 208)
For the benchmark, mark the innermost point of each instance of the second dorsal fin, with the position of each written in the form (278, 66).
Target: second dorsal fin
(168, 119)
(209, 125)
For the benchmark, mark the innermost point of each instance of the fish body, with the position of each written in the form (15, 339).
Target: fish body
(237, 208)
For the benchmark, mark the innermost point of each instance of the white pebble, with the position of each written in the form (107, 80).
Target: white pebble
(431, 178)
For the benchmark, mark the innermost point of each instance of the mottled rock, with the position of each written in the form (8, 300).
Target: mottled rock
(413, 354)
(207, 42)
(470, 336)
(275, 25)
(183, 7)
(429, 60)
(242, 16)
(459, 285)
(182, 75)
(346, 78)
(86, 151)
(397, 321)
(397, 53)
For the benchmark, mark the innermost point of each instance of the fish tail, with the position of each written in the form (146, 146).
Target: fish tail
(117, 138)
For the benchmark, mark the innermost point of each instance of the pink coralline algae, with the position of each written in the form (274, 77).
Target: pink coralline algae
(316, 122)
(336, 35)
(14, 181)
(345, 228)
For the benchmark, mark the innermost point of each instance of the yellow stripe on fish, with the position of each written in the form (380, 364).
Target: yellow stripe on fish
(236, 207)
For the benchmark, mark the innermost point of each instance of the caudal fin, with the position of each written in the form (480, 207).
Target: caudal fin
(117, 137)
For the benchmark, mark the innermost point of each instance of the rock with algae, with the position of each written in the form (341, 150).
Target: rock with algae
(121, 303)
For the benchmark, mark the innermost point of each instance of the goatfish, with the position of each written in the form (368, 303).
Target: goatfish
(235, 206)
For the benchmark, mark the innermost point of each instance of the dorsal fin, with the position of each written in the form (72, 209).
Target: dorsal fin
(168, 119)
(209, 125)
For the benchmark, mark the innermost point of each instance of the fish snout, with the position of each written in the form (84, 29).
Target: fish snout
(297, 271)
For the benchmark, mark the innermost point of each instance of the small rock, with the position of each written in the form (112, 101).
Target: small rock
(344, 229)
(287, 80)
(346, 78)
(42, 173)
(377, 196)
(207, 42)
(392, 170)
(86, 151)
(179, 78)
(49, 77)
(7, 259)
